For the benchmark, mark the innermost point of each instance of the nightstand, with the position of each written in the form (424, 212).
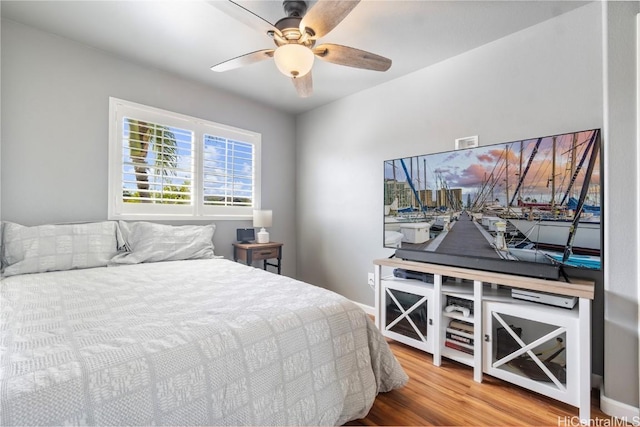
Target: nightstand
(249, 252)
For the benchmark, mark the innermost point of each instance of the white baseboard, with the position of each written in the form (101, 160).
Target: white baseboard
(619, 410)
(371, 311)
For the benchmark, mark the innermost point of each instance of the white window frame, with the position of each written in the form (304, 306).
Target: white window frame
(197, 210)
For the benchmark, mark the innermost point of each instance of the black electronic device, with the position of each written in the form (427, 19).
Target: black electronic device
(245, 235)
(460, 302)
(499, 207)
(415, 275)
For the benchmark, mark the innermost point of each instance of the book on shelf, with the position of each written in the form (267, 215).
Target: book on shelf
(461, 332)
(461, 325)
(458, 346)
(459, 338)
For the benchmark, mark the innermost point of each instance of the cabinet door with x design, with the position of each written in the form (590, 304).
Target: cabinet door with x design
(407, 312)
(536, 347)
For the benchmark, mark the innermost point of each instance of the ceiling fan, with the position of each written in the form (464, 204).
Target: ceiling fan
(295, 37)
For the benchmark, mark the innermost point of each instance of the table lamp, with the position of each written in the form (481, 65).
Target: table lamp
(262, 219)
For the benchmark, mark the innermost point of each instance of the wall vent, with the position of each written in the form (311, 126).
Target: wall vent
(466, 142)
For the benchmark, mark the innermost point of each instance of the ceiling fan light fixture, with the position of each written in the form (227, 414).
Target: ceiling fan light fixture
(293, 60)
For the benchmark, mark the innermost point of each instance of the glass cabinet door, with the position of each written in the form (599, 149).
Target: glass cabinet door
(532, 349)
(534, 346)
(406, 316)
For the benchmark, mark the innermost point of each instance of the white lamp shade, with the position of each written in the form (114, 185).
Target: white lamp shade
(262, 218)
(293, 60)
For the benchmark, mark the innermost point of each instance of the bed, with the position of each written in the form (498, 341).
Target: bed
(185, 342)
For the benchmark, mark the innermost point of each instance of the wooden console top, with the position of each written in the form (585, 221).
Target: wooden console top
(580, 288)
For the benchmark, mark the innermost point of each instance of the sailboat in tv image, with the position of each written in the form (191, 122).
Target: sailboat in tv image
(536, 200)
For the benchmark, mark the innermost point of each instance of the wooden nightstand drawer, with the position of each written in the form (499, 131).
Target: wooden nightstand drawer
(266, 253)
(250, 252)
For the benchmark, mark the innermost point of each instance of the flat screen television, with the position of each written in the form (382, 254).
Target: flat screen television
(530, 207)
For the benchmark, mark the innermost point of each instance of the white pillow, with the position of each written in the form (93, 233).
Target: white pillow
(57, 247)
(150, 242)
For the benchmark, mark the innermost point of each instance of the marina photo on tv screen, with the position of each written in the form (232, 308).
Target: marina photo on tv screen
(533, 202)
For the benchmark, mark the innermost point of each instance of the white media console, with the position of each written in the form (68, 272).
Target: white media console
(544, 348)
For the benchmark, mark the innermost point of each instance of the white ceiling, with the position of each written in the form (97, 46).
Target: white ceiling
(188, 37)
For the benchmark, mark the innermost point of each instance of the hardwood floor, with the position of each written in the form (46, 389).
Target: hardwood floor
(447, 395)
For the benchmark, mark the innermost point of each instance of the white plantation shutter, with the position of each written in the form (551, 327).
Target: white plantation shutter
(165, 174)
(164, 165)
(228, 172)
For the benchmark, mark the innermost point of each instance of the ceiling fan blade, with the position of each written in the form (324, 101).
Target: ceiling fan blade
(325, 15)
(245, 16)
(241, 61)
(304, 85)
(352, 57)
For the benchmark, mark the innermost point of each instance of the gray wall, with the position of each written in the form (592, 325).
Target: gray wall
(55, 99)
(544, 80)
(622, 282)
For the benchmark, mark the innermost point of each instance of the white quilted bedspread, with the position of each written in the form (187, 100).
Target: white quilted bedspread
(208, 342)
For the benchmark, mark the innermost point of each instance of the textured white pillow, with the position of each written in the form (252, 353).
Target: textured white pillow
(57, 247)
(150, 242)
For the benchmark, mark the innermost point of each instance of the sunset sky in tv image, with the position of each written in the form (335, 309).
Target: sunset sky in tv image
(469, 169)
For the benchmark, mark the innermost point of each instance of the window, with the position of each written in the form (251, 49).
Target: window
(164, 165)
